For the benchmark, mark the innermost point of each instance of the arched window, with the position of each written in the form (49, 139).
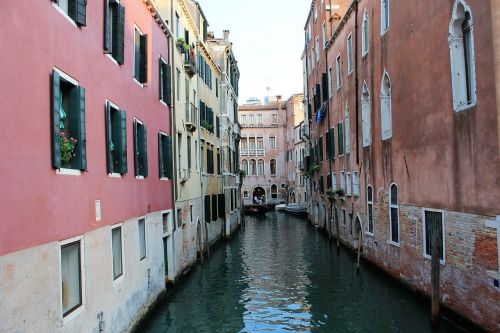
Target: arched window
(260, 167)
(369, 208)
(385, 107)
(272, 165)
(384, 16)
(364, 31)
(251, 142)
(366, 115)
(244, 143)
(347, 130)
(251, 170)
(244, 166)
(461, 43)
(394, 213)
(274, 191)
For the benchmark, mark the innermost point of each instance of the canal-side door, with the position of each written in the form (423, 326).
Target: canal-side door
(165, 254)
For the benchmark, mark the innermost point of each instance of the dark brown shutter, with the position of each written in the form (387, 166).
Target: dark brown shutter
(143, 54)
(81, 12)
(109, 154)
(107, 28)
(119, 42)
(161, 165)
(55, 124)
(136, 149)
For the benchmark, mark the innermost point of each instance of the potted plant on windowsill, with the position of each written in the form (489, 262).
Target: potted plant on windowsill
(340, 192)
(182, 45)
(243, 174)
(206, 125)
(68, 146)
(330, 192)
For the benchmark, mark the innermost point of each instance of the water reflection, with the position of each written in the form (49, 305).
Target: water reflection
(280, 275)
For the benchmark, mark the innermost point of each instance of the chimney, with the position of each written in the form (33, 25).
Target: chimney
(210, 35)
(226, 35)
(278, 101)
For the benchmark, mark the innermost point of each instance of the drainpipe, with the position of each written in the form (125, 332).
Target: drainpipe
(495, 22)
(330, 199)
(356, 82)
(173, 131)
(306, 99)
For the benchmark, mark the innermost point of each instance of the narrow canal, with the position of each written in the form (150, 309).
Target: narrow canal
(281, 275)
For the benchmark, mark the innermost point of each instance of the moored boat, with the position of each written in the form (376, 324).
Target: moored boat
(296, 209)
(257, 209)
(280, 207)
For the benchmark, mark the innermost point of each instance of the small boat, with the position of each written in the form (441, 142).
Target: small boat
(257, 209)
(296, 209)
(280, 207)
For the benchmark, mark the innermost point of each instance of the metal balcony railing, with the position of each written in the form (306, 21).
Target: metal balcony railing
(253, 152)
(190, 62)
(191, 116)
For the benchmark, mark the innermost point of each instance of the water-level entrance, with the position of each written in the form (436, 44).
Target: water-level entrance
(281, 275)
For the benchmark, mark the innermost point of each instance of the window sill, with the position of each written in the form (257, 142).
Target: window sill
(364, 54)
(73, 314)
(119, 279)
(441, 261)
(139, 177)
(164, 179)
(393, 244)
(66, 16)
(68, 172)
(371, 234)
(112, 59)
(465, 107)
(163, 102)
(114, 175)
(138, 83)
(382, 34)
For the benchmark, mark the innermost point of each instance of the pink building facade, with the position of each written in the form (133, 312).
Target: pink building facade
(263, 152)
(84, 238)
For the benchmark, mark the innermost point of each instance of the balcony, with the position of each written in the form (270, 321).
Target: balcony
(184, 175)
(190, 62)
(191, 117)
(253, 152)
(304, 132)
(301, 165)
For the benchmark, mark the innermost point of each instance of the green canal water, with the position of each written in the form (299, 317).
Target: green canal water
(282, 275)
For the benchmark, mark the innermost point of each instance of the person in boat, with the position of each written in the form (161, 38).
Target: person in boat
(257, 200)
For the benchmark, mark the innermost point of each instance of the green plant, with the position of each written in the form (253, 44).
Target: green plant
(340, 192)
(68, 146)
(243, 173)
(313, 169)
(205, 124)
(182, 45)
(330, 192)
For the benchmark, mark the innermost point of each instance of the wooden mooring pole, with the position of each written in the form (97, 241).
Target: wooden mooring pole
(435, 275)
(359, 249)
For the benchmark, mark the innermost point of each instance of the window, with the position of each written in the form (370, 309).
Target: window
(369, 207)
(355, 184)
(342, 181)
(394, 213)
(116, 246)
(245, 194)
(140, 149)
(461, 43)
(324, 35)
(259, 119)
(317, 49)
(338, 71)
(347, 131)
(330, 82)
(244, 166)
(334, 181)
(272, 142)
(177, 27)
(260, 167)
(251, 119)
(366, 115)
(251, 170)
(71, 277)
(141, 224)
(189, 152)
(251, 142)
(384, 16)
(385, 107)
(364, 32)
(165, 82)
(274, 191)
(191, 213)
(141, 56)
(114, 30)
(349, 54)
(178, 72)
(179, 218)
(340, 134)
(243, 119)
(315, 14)
(165, 155)
(68, 123)
(74, 9)
(433, 222)
(272, 165)
(208, 203)
(214, 207)
(260, 142)
(274, 119)
(348, 184)
(116, 139)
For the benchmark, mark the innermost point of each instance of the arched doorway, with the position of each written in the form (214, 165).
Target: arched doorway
(259, 196)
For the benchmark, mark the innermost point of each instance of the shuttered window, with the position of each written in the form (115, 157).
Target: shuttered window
(207, 209)
(116, 139)
(214, 207)
(140, 56)
(71, 277)
(165, 82)
(221, 200)
(165, 155)
(320, 142)
(75, 9)
(140, 149)
(68, 124)
(114, 30)
(340, 134)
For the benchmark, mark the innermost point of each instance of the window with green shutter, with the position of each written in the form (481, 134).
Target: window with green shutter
(214, 207)
(140, 149)
(165, 155)
(68, 123)
(116, 139)
(340, 133)
(114, 30)
(140, 56)
(165, 82)
(207, 209)
(320, 148)
(221, 200)
(75, 9)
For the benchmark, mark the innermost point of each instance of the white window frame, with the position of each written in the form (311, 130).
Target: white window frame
(334, 181)
(368, 204)
(145, 239)
(64, 14)
(342, 181)
(383, 18)
(324, 34)
(390, 241)
(365, 39)
(338, 71)
(111, 228)
(271, 147)
(349, 55)
(75, 313)
(424, 235)
(347, 131)
(330, 82)
(133, 59)
(355, 184)
(385, 112)
(348, 183)
(317, 49)
(366, 116)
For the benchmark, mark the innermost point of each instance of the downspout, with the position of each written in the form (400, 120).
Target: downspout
(308, 184)
(328, 138)
(495, 22)
(356, 82)
(200, 159)
(222, 94)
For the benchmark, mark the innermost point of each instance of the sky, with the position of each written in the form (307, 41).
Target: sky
(268, 40)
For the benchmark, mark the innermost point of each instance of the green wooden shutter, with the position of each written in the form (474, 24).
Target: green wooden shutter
(77, 127)
(109, 154)
(137, 55)
(145, 152)
(221, 202)
(81, 12)
(82, 133)
(332, 143)
(327, 144)
(136, 150)
(119, 43)
(123, 142)
(143, 54)
(214, 207)
(168, 157)
(168, 84)
(340, 133)
(161, 81)
(161, 166)
(107, 28)
(207, 209)
(56, 130)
